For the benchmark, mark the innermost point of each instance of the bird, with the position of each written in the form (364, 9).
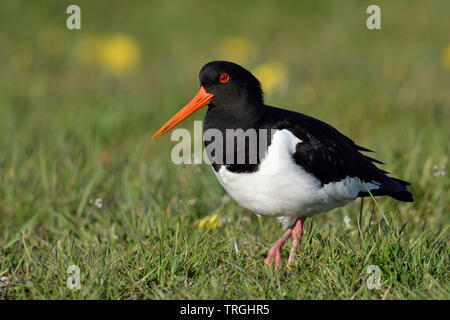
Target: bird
(306, 166)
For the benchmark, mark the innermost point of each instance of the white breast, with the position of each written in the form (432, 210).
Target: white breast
(283, 189)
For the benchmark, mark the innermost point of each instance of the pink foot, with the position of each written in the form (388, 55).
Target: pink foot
(275, 251)
(297, 233)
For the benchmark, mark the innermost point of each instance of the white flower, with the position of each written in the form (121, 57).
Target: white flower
(347, 221)
(98, 203)
(246, 219)
(4, 281)
(442, 172)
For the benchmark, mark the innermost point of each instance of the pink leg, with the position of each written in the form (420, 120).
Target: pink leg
(297, 233)
(275, 251)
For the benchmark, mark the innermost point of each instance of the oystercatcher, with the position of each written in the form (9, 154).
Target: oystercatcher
(317, 167)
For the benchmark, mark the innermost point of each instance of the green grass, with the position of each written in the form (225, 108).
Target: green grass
(72, 132)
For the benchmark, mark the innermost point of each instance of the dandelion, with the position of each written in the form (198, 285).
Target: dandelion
(446, 57)
(209, 222)
(115, 53)
(237, 49)
(272, 76)
(119, 53)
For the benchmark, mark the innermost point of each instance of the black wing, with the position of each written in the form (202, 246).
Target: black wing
(331, 156)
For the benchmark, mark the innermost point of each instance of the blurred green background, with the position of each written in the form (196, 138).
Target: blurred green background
(78, 109)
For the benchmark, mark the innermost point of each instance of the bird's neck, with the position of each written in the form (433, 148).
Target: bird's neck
(232, 117)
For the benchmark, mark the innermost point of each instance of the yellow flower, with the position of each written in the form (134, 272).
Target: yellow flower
(237, 49)
(117, 53)
(272, 76)
(209, 222)
(446, 57)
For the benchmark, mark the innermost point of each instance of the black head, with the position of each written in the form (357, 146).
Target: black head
(224, 87)
(230, 84)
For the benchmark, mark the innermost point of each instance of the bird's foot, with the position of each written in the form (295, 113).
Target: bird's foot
(274, 253)
(297, 233)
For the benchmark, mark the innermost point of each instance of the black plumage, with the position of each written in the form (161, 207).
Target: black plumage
(324, 152)
(306, 166)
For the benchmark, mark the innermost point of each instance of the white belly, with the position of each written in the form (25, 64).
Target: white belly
(283, 189)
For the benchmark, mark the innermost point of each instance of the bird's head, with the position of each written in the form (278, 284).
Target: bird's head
(223, 84)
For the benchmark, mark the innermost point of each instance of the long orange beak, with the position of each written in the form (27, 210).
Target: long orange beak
(201, 99)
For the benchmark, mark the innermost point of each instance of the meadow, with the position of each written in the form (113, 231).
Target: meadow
(82, 182)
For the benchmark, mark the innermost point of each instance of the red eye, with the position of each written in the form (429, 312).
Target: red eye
(224, 78)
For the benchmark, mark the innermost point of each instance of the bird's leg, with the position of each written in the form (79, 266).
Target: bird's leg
(275, 251)
(297, 233)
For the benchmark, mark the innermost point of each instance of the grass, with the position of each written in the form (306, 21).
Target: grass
(72, 131)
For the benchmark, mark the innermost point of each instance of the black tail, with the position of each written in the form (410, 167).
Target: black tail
(395, 188)
(403, 195)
